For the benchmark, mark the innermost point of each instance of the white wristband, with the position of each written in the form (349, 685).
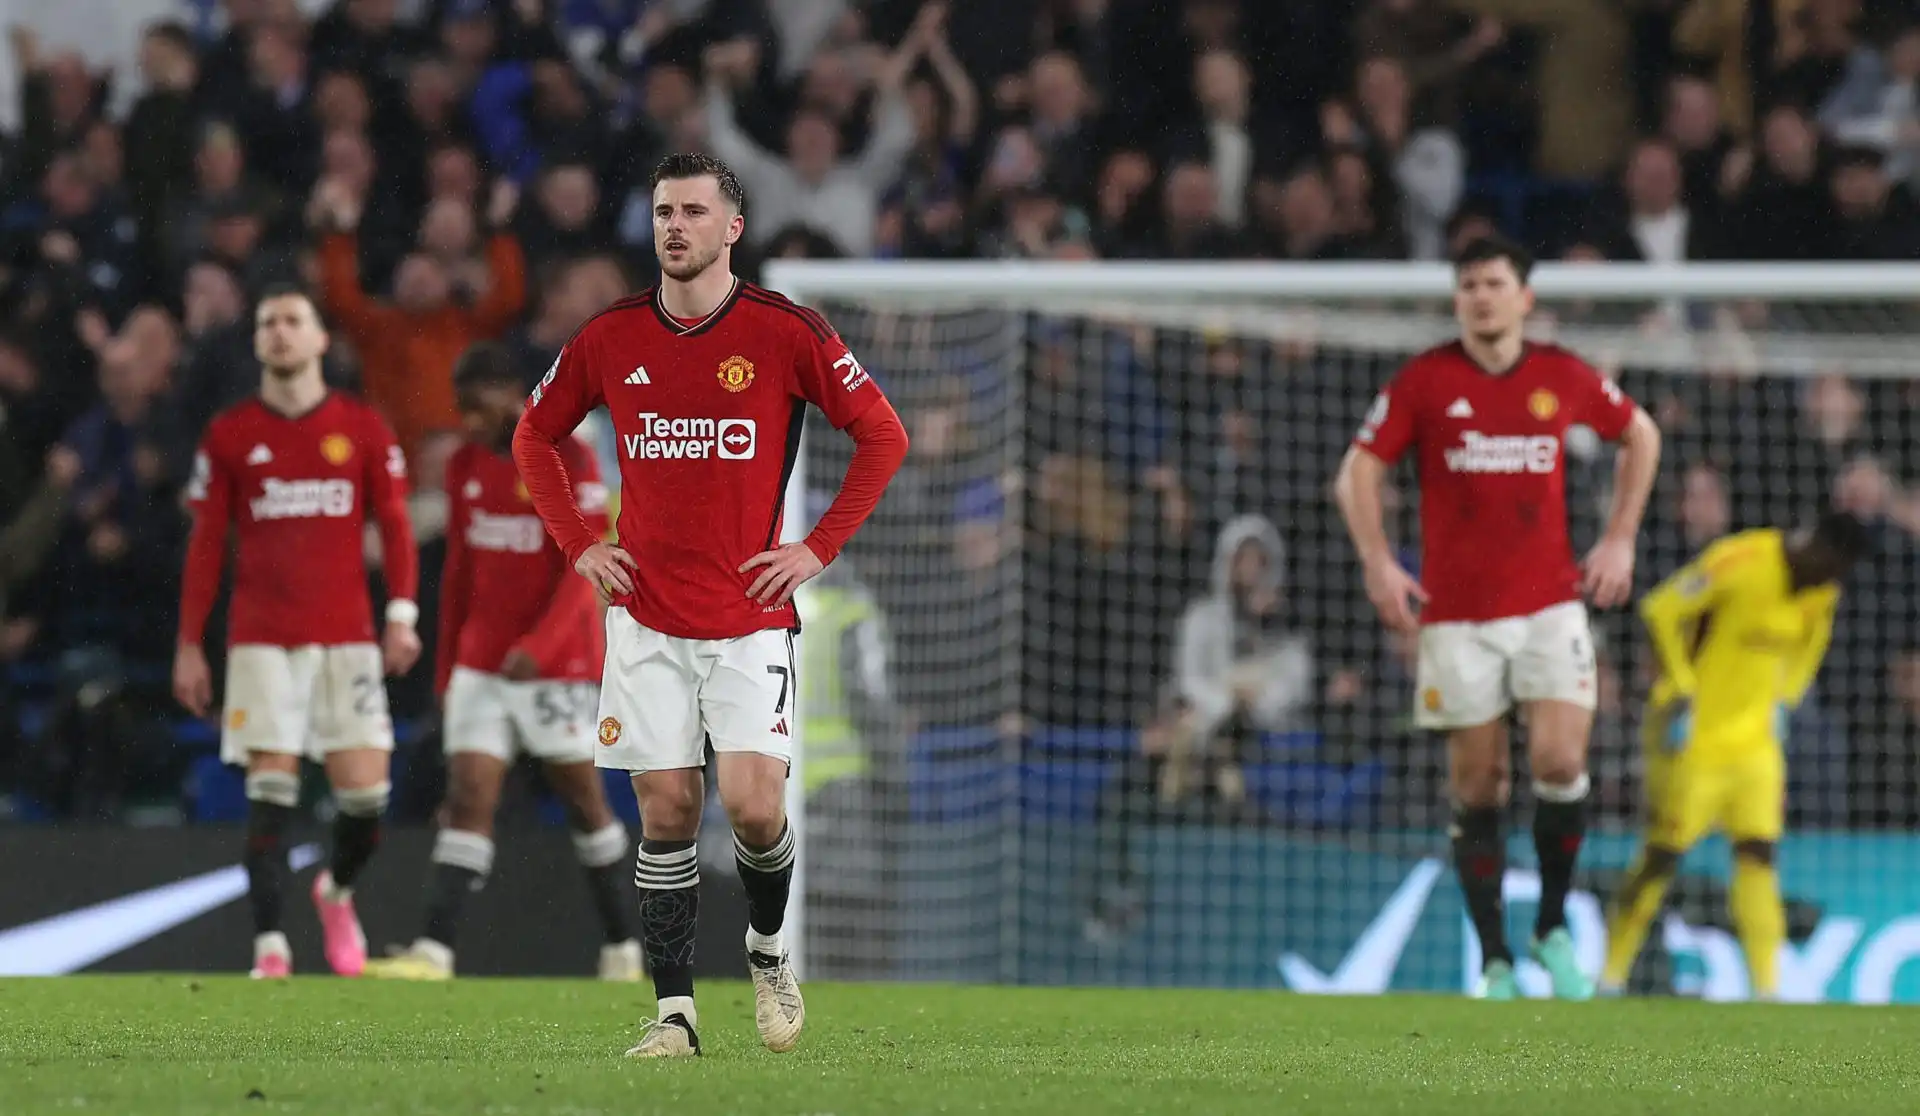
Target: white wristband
(403, 612)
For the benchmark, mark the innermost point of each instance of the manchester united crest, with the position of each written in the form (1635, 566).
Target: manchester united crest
(609, 732)
(336, 448)
(736, 373)
(1543, 404)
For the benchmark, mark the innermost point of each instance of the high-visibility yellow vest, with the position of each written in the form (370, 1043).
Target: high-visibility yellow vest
(832, 748)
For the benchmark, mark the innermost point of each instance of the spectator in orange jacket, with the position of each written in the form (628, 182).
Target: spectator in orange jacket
(407, 346)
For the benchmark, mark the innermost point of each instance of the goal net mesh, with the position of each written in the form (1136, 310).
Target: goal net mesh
(1036, 798)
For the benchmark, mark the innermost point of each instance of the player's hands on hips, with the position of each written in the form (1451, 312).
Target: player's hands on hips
(787, 568)
(519, 666)
(192, 679)
(1393, 592)
(400, 648)
(606, 566)
(1607, 573)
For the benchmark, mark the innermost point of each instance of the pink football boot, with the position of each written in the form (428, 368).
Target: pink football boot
(346, 944)
(272, 959)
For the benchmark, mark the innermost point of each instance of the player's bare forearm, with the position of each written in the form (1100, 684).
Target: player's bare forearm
(1634, 473)
(1356, 489)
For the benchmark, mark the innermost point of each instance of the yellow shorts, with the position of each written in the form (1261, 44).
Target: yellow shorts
(1736, 787)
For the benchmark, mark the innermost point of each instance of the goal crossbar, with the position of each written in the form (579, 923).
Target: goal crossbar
(1614, 282)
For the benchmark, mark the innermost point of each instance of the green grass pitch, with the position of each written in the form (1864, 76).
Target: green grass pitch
(180, 1044)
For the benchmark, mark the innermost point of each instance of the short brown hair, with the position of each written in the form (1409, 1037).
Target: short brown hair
(692, 164)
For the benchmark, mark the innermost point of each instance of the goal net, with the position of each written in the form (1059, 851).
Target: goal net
(1025, 759)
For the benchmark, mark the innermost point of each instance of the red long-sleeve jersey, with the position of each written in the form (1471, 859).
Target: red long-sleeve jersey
(506, 586)
(297, 491)
(709, 415)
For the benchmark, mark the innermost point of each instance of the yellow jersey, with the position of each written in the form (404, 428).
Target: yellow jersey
(1734, 637)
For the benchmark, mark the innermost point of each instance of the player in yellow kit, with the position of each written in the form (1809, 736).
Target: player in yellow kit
(1739, 635)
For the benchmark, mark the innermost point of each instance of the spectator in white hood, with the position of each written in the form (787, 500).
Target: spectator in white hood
(1239, 669)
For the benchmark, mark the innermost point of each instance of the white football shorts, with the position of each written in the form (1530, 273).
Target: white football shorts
(304, 701)
(1472, 672)
(553, 721)
(664, 698)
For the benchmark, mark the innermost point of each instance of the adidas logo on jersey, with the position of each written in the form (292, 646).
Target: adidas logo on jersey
(639, 376)
(260, 455)
(1461, 409)
(780, 726)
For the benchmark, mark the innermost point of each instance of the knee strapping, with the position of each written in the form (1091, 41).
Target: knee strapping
(602, 847)
(667, 865)
(460, 849)
(364, 802)
(275, 788)
(1574, 791)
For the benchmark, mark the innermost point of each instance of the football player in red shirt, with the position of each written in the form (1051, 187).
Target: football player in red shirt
(707, 379)
(295, 473)
(517, 666)
(1502, 620)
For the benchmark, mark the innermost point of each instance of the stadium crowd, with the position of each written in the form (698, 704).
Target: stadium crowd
(442, 171)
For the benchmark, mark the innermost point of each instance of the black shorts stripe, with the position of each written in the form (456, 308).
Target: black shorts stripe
(815, 324)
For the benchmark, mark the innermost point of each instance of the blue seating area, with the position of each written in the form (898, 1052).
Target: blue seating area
(1058, 773)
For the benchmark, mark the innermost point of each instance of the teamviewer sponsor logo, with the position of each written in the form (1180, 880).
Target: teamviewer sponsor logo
(698, 439)
(1503, 453)
(512, 534)
(303, 499)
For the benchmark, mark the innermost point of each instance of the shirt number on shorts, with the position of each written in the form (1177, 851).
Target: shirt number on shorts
(554, 704)
(786, 677)
(366, 691)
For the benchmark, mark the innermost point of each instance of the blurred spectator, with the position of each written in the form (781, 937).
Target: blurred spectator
(812, 185)
(274, 116)
(73, 238)
(1651, 222)
(1692, 123)
(572, 292)
(1781, 209)
(1873, 218)
(1241, 669)
(1433, 44)
(1425, 163)
(1876, 104)
(407, 345)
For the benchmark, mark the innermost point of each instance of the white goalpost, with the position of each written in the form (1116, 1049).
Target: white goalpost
(1082, 435)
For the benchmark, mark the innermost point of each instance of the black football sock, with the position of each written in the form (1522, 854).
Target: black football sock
(601, 854)
(668, 876)
(767, 876)
(1480, 854)
(271, 798)
(461, 863)
(356, 831)
(1559, 826)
